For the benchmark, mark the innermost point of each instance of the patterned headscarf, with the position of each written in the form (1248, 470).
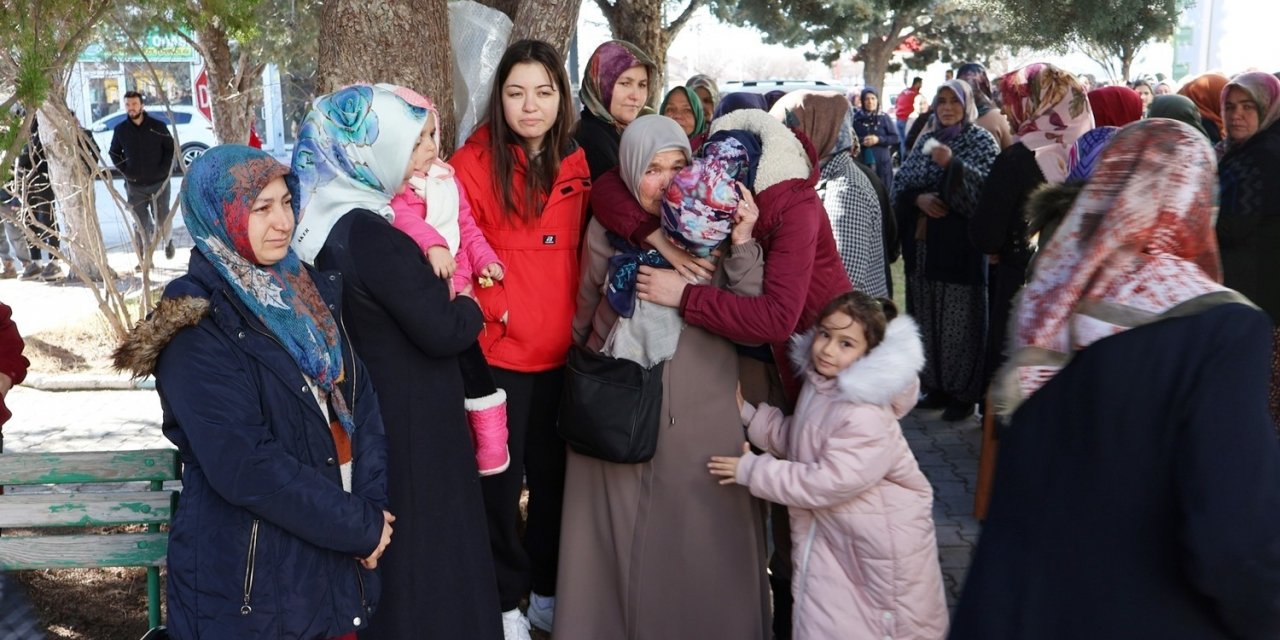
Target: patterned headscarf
(1115, 106)
(217, 199)
(1176, 107)
(702, 81)
(352, 152)
(1138, 241)
(1205, 91)
(976, 75)
(1049, 110)
(1086, 152)
(695, 103)
(609, 61)
(821, 115)
(699, 205)
(1264, 90)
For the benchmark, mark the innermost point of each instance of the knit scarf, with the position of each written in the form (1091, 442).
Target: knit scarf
(217, 200)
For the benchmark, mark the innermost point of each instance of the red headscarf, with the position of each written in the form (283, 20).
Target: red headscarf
(1115, 106)
(1138, 241)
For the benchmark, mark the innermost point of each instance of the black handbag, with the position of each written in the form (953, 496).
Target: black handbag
(611, 408)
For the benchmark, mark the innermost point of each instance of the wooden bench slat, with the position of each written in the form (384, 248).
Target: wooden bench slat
(87, 551)
(85, 509)
(88, 466)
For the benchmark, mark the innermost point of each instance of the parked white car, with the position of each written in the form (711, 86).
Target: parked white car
(193, 131)
(765, 86)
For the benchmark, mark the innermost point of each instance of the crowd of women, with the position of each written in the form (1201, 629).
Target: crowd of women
(366, 363)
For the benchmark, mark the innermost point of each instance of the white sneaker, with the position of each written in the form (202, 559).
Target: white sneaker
(514, 625)
(542, 611)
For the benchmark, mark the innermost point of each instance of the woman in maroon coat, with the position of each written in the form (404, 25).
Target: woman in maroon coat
(13, 365)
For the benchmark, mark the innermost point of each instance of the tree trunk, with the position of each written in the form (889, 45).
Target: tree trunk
(551, 21)
(404, 42)
(232, 94)
(875, 56)
(640, 23)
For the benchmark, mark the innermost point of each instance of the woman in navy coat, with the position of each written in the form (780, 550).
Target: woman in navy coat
(1138, 487)
(282, 517)
(878, 135)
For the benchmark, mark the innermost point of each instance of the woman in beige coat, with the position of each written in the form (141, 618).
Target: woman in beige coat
(656, 549)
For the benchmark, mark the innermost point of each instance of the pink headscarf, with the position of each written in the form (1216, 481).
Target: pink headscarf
(1138, 241)
(1049, 110)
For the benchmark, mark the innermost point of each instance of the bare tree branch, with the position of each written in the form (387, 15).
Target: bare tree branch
(676, 25)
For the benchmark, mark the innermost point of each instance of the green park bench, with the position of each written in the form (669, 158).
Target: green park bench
(81, 507)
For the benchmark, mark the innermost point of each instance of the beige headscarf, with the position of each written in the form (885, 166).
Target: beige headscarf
(819, 114)
(643, 139)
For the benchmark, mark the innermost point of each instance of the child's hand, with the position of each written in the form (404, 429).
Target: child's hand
(741, 400)
(727, 466)
(442, 262)
(492, 270)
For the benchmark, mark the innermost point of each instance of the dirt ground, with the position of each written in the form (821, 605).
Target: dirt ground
(83, 347)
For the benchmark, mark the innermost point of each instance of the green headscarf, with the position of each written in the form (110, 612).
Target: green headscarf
(695, 103)
(1176, 107)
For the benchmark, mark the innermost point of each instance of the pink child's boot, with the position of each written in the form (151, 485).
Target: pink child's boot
(488, 419)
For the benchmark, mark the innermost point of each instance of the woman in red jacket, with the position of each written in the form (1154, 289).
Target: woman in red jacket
(528, 183)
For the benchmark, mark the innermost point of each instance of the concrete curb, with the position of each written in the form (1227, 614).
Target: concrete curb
(89, 382)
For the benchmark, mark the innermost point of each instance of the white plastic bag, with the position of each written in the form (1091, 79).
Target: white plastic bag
(479, 36)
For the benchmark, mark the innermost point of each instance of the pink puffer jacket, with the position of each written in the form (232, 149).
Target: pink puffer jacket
(865, 553)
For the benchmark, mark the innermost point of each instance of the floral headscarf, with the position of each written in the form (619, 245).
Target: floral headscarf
(695, 104)
(217, 199)
(823, 116)
(702, 81)
(1206, 91)
(1138, 241)
(1049, 110)
(699, 205)
(1086, 152)
(609, 61)
(352, 152)
(1115, 106)
(1264, 90)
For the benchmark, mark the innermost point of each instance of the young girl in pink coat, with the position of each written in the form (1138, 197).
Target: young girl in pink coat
(432, 209)
(865, 554)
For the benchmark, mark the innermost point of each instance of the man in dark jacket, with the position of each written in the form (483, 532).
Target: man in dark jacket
(142, 149)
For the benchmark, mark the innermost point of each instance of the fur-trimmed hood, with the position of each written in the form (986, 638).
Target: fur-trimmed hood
(782, 156)
(882, 374)
(140, 351)
(1047, 206)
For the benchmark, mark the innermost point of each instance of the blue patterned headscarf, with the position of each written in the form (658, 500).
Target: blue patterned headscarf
(217, 199)
(1084, 154)
(352, 152)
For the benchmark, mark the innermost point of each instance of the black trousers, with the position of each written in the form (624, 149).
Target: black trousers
(538, 457)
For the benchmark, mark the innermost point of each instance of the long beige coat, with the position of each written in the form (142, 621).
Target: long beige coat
(659, 550)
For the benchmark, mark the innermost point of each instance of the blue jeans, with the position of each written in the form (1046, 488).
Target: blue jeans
(902, 139)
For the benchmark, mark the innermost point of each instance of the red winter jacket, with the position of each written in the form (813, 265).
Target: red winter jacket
(12, 362)
(529, 313)
(802, 270)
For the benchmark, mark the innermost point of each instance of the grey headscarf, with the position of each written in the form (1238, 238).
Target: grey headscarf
(643, 139)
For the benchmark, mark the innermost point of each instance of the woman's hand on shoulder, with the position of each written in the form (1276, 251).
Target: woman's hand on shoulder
(746, 216)
(690, 267)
